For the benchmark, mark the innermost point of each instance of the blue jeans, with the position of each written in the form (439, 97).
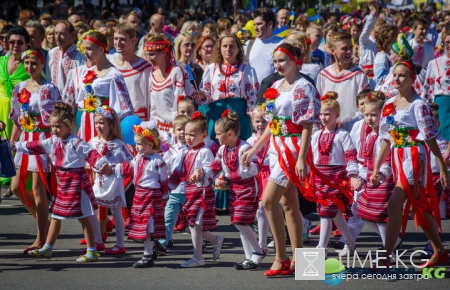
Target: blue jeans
(173, 208)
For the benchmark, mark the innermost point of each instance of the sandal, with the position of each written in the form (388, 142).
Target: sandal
(285, 266)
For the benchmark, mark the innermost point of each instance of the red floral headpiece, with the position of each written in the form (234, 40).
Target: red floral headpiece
(324, 97)
(308, 41)
(196, 115)
(225, 113)
(369, 96)
(179, 98)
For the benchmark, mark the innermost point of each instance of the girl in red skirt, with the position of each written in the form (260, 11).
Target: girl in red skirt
(192, 172)
(243, 191)
(150, 179)
(75, 198)
(373, 202)
(335, 157)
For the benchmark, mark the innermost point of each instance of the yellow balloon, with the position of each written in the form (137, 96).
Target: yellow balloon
(346, 9)
(438, 6)
(310, 12)
(250, 26)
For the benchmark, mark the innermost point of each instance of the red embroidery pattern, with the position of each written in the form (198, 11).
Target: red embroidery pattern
(323, 141)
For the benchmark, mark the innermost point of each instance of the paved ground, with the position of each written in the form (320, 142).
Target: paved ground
(18, 271)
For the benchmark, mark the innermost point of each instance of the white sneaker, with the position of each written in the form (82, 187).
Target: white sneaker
(193, 263)
(271, 244)
(349, 249)
(217, 248)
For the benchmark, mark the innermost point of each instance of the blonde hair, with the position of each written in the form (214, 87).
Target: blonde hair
(125, 28)
(312, 27)
(339, 36)
(376, 99)
(64, 113)
(230, 122)
(113, 123)
(256, 109)
(179, 40)
(49, 30)
(302, 38)
(330, 99)
(180, 120)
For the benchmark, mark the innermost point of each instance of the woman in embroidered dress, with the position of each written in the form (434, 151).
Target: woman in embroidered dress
(400, 51)
(167, 81)
(74, 198)
(292, 108)
(228, 83)
(102, 84)
(150, 178)
(408, 124)
(32, 104)
(436, 87)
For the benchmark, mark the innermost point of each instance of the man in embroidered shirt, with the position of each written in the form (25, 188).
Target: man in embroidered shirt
(64, 57)
(343, 77)
(260, 54)
(135, 70)
(423, 51)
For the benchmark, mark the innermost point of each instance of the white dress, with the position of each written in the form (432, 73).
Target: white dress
(300, 104)
(137, 78)
(108, 90)
(163, 96)
(40, 108)
(243, 83)
(347, 84)
(388, 89)
(109, 190)
(59, 63)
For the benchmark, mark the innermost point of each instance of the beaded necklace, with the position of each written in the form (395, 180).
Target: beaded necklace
(328, 147)
(229, 158)
(368, 149)
(185, 172)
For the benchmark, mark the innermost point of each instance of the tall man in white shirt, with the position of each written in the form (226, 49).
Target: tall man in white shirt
(64, 57)
(258, 52)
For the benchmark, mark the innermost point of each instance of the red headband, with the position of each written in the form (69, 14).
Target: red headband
(411, 69)
(180, 98)
(96, 42)
(295, 60)
(225, 113)
(38, 56)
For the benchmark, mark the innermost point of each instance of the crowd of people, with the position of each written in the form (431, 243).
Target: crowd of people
(164, 126)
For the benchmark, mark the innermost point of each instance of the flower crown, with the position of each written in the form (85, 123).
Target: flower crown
(157, 45)
(144, 130)
(105, 111)
(30, 52)
(80, 46)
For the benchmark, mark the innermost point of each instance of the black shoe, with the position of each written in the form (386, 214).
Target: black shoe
(337, 245)
(170, 244)
(160, 249)
(250, 265)
(240, 266)
(145, 262)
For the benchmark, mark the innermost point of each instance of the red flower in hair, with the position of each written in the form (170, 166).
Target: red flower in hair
(225, 113)
(369, 96)
(196, 115)
(180, 98)
(324, 97)
(308, 41)
(222, 87)
(271, 94)
(24, 96)
(89, 78)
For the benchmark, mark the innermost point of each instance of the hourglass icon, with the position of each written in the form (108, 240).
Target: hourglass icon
(310, 270)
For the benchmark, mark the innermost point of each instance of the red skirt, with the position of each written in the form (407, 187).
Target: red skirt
(68, 198)
(200, 197)
(263, 177)
(243, 197)
(373, 202)
(147, 202)
(330, 196)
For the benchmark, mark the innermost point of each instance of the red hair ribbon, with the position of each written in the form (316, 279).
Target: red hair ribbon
(180, 98)
(293, 58)
(308, 41)
(225, 113)
(324, 97)
(87, 37)
(369, 96)
(196, 115)
(38, 56)
(411, 69)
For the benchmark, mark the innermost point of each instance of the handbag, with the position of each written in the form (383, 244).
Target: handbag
(7, 168)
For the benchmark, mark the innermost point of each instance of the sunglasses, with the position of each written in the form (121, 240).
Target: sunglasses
(188, 45)
(2, 37)
(18, 42)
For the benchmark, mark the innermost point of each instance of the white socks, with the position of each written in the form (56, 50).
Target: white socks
(120, 226)
(326, 225)
(263, 226)
(148, 245)
(249, 241)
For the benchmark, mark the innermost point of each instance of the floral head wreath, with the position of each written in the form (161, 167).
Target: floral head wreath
(105, 111)
(85, 36)
(163, 45)
(145, 130)
(31, 52)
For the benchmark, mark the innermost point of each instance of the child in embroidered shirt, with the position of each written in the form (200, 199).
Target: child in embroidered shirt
(335, 159)
(177, 197)
(150, 180)
(199, 207)
(109, 190)
(259, 125)
(243, 192)
(361, 98)
(75, 198)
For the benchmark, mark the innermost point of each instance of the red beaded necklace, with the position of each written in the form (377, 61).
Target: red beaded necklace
(185, 172)
(230, 158)
(230, 70)
(368, 153)
(328, 147)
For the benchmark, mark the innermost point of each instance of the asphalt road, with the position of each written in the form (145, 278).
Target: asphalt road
(18, 271)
